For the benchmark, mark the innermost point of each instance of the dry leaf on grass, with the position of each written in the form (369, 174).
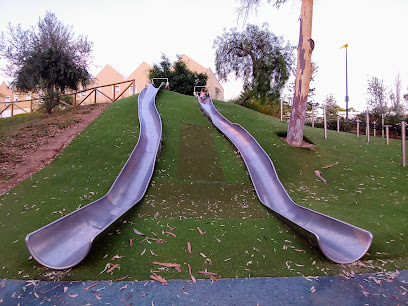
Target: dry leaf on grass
(170, 233)
(207, 273)
(329, 166)
(200, 231)
(113, 268)
(191, 275)
(317, 173)
(189, 247)
(138, 233)
(159, 279)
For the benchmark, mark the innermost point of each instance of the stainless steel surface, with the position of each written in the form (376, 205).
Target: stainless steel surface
(339, 241)
(65, 242)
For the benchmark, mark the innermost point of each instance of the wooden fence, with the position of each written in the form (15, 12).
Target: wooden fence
(91, 94)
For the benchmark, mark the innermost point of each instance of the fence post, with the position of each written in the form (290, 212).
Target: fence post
(95, 94)
(12, 109)
(358, 128)
(325, 122)
(312, 115)
(113, 87)
(281, 110)
(403, 143)
(387, 132)
(368, 127)
(374, 131)
(75, 99)
(382, 125)
(338, 124)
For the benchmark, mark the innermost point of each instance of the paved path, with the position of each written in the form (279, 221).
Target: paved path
(369, 289)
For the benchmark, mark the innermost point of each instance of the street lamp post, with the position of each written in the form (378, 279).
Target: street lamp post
(347, 96)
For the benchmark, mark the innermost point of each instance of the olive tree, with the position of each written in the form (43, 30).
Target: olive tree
(46, 60)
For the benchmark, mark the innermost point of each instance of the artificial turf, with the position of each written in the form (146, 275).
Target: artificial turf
(366, 187)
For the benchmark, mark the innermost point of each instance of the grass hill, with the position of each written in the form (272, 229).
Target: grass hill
(201, 196)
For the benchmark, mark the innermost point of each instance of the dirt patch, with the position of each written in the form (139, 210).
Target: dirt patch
(33, 145)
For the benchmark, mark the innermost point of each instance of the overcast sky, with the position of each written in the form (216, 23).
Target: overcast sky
(127, 32)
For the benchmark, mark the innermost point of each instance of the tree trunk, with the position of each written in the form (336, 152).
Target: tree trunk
(303, 75)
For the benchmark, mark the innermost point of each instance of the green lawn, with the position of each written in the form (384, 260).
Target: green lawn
(200, 181)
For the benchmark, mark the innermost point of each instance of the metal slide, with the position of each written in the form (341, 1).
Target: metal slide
(339, 241)
(65, 242)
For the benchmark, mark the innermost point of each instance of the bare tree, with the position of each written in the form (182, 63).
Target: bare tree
(304, 67)
(395, 96)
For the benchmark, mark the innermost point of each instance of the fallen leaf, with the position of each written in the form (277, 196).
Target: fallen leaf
(116, 257)
(138, 233)
(329, 166)
(124, 287)
(98, 297)
(191, 275)
(170, 233)
(189, 247)
(143, 252)
(89, 287)
(130, 242)
(37, 296)
(200, 231)
(72, 295)
(113, 268)
(207, 273)
(317, 172)
(214, 278)
(166, 264)
(159, 279)
(153, 253)
(65, 289)
(312, 289)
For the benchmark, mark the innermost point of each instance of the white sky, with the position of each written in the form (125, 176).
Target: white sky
(127, 32)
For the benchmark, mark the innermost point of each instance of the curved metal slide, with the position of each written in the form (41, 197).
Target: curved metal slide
(65, 242)
(339, 241)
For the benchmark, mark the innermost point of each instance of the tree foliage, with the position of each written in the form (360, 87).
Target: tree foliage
(332, 108)
(257, 56)
(395, 97)
(181, 79)
(377, 95)
(48, 59)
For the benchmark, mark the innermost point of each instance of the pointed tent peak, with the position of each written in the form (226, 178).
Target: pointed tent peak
(109, 70)
(143, 68)
(192, 64)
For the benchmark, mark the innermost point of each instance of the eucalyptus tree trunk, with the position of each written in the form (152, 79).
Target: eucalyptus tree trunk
(303, 76)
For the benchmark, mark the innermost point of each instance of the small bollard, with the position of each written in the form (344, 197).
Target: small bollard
(358, 128)
(325, 122)
(338, 124)
(313, 115)
(403, 143)
(368, 127)
(387, 133)
(382, 125)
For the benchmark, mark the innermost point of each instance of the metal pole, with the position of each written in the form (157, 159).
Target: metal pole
(281, 102)
(358, 128)
(368, 127)
(338, 124)
(387, 132)
(312, 115)
(382, 125)
(403, 143)
(374, 131)
(347, 96)
(325, 122)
